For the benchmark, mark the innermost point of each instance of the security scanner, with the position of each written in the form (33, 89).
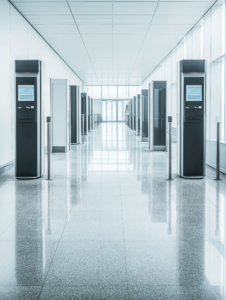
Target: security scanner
(30, 122)
(144, 116)
(130, 104)
(134, 113)
(60, 112)
(75, 114)
(84, 102)
(89, 114)
(157, 116)
(92, 114)
(138, 115)
(191, 134)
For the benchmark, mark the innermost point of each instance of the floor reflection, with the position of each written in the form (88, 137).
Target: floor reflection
(109, 225)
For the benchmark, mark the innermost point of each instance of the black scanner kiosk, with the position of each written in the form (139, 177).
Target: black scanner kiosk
(29, 146)
(191, 132)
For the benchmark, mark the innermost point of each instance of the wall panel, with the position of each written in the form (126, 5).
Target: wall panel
(18, 40)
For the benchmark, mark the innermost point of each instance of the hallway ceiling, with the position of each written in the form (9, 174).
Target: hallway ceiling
(112, 42)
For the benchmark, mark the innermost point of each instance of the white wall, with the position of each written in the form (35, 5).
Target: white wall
(205, 41)
(18, 40)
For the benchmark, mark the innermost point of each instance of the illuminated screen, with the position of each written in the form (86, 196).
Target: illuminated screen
(193, 93)
(26, 93)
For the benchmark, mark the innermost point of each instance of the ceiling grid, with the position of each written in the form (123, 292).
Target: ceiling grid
(114, 42)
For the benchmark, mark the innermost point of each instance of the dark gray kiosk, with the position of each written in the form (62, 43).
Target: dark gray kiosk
(157, 116)
(130, 113)
(84, 109)
(144, 116)
(30, 139)
(92, 114)
(138, 115)
(134, 113)
(75, 114)
(191, 134)
(89, 114)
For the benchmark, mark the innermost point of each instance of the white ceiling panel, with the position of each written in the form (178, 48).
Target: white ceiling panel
(113, 42)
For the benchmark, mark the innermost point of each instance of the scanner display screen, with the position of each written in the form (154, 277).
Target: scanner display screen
(26, 93)
(193, 92)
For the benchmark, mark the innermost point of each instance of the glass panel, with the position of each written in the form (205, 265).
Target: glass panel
(104, 110)
(108, 110)
(96, 92)
(114, 111)
(135, 113)
(122, 92)
(145, 116)
(126, 110)
(112, 92)
(132, 91)
(105, 92)
(119, 110)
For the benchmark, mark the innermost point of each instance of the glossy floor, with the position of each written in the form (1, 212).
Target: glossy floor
(109, 225)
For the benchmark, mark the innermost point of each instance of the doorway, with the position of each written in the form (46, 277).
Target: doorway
(113, 110)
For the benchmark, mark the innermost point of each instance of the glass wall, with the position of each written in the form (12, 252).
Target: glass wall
(113, 92)
(104, 112)
(114, 110)
(120, 111)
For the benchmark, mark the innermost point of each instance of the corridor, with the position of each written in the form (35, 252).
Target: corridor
(109, 225)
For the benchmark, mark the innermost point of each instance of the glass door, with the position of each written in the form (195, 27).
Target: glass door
(109, 111)
(119, 111)
(114, 111)
(104, 116)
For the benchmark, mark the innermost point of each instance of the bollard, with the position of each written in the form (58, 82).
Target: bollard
(83, 129)
(170, 147)
(218, 152)
(48, 120)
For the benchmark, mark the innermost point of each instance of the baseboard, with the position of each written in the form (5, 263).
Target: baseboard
(223, 170)
(5, 165)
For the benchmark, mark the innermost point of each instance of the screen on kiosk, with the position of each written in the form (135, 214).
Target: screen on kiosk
(26, 93)
(193, 93)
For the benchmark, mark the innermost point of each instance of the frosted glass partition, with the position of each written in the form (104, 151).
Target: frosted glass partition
(104, 117)
(112, 92)
(114, 111)
(96, 92)
(119, 110)
(108, 110)
(132, 91)
(105, 92)
(122, 92)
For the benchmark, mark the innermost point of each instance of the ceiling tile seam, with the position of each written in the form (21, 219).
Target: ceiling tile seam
(82, 39)
(178, 43)
(44, 39)
(143, 40)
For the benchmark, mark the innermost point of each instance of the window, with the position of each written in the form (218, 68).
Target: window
(96, 92)
(112, 92)
(132, 91)
(103, 110)
(122, 92)
(105, 92)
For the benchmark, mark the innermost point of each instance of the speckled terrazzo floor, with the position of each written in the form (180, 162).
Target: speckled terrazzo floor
(109, 225)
